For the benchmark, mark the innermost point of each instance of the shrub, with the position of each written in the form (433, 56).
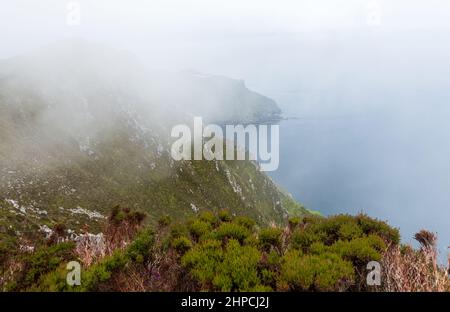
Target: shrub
(337, 228)
(202, 261)
(96, 277)
(360, 251)
(231, 254)
(123, 224)
(260, 288)
(269, 277)
(273, 258)
(225, 215)
(232, 269)
(324, 272)
(177, 230)
(8, 247)
(270, 264)
(119, 215)
(294, 222)
(39, 263)
(245, 222)
(164, 221)
(251, 240)
(380, 228)
(198, 228)
(232, 231)
(309, 220)
(270, 237)
(208, 217)
(303, 239)
(182, 244)
(348, 231)
(54, 281)
(239, 269)
(140, 249)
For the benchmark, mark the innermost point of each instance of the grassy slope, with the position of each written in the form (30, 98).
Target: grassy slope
(46, 173)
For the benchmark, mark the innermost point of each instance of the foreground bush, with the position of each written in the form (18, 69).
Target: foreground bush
(30, 268)
(322, 272)
(225, 253)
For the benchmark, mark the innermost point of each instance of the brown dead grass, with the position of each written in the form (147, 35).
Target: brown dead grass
(409, 270)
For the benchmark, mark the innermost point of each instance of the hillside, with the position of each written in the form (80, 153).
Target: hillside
(84, 128)
(86, 175)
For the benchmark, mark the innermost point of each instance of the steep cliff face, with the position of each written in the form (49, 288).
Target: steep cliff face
(83, 129)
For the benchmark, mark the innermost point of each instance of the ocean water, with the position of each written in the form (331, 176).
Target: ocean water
(371, 165)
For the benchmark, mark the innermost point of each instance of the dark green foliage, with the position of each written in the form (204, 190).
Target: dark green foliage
(360, 251)
(7, 245)
(37, 264)
(181, 244)
(294, 221)
(380, 228)
(245, 222)
(238, 270)
(348, 231)
(303, 239)
(98, 275)
(54, 281)
(322, 272)
(226, 253)
(357, 240)
(270, 237)
(140, 249)
(225, 215)
(209, 217)
(340, 228)
(178, 229)
(232, 231)
(120, 215)
(164, 221)
(202, 261)
(234, 268)
(198, 228)
(327, 254)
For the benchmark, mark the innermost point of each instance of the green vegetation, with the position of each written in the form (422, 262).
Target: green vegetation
(218, 252)
(34, 266)
(321, 272)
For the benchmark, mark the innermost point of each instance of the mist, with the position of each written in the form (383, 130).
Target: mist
(370, 95)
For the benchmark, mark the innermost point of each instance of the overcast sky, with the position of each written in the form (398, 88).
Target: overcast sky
(26, 24)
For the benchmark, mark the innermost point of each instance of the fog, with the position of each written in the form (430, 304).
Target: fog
(368, 81)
